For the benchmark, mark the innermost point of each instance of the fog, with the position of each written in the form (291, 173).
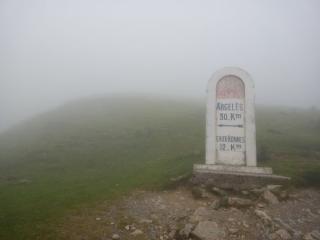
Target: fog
(55, 51)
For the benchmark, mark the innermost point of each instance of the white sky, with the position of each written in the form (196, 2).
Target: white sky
(57, 50)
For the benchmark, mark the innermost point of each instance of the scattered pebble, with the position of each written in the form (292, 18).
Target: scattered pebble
(115, 236)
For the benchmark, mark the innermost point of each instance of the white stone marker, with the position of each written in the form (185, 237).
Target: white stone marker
(231, 129)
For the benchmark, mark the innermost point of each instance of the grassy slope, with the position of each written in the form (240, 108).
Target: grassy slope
(97, 149)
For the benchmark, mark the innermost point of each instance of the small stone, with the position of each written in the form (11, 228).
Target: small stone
(233, 230)
(245, 225)
(215, 205)
(269, 197)
(115, 236)
(200, 214)
(245, 192)
(308, 237)
(293, 195)
(239, 202)
(257, 191)
(287, 227)
(146, 221)
(261, 205)
(208, 230)
(283, 195)
(263, 216)
(172, 234)
(199, 192)
(136, 232)
(283, 234)
(127, 227)
(274, 188)
(311, 214)
(315, 234)
(218, 191)
(98, 219)
(273, 236)
(185, 232)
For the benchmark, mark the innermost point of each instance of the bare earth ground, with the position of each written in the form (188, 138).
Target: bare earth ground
(175, 214)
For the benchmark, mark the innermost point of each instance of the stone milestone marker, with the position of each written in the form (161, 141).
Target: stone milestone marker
(230, 126)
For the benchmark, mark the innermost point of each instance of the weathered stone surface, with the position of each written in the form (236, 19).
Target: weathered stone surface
(145, 221)
(283, 234)
(287, 227)
(216, 204)
(208, 230)
(263, 216)
(127, 227)
(115, 236)
(185, 232)
(231, 87)
(239, 202)
(218, 191)
(231, 132)
(199, 192)
(274, 188)
(315, 234)
(136, 232)
(200, 214)
(269, 197)
(308, 237)
(283, 195)
(233, 230)
(236, 181)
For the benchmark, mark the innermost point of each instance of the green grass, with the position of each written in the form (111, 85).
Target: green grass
(97, 149)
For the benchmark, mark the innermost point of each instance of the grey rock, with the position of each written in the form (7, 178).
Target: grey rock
(257, 191)
(185, 232)
(127, 227)
(136, 232)
(145, 221)
(208, 230)
(199, 193)
(269, 197)
(273, 236)
(263, 216)
(200, 214)
(284, 225)
(239, 202)
(308, 237)
(274, 188)
(233, 230)
(218, 191)
(283, 195)
(261, 205)
(179, 178)
(283, 234)
(245, 192)
(215, 204)
(115, 236)
(315, 234)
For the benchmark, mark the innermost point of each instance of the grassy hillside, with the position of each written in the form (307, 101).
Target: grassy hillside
(97, 149)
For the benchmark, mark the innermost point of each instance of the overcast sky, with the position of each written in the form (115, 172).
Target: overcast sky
(52, 51)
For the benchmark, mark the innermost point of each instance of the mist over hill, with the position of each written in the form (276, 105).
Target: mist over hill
(99, 148)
